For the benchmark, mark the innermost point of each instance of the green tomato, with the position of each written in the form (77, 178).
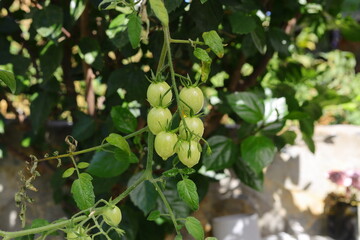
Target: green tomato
(158, 119)
(165, 144)
(157, 90)
(189, 153)
(78, 233)
(191, 97)
(112, 215)
(194, 125)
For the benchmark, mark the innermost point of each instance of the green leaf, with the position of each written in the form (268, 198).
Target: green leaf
(83, 193)
(202, 55)
(50, 59)
(40, 109)
(247, 105)
(9, 80)
(171, 5)
(203, 1)
(313, 109)
(193, 226)
(68, 172)
(223, 153)
(106, 164)
(8, 25)
(187, 171)
(258, 152)
(171, 173)
(48, 21)
(205, 71)
(248, 176)
(188, 192)
(84, 126)
(77, 7)
(39, 223)
(90, 52)
(117, 31)
(83, 165)
(213, 40)
(289, 137)
(297, 115)
(178, 237)
(349, 28)
(160, 11)
(206, 16)
(280, 41)
(205, 63)
(309, 141)
(144, 196)
(119, 142)
(180, 208)
(307, 126)
(134, 29)
(133, 158)
(242, 23)
(259, 39)
(123, 119)
(129, 78)
(153, 215)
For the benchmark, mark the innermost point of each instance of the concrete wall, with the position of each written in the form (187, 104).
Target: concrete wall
(295, 186)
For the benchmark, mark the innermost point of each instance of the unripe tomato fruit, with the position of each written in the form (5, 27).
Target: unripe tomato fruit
(193, 97)
(165, 144)
(112, 215)
(157, 90)
(158, 119)
(183, 153)
(194, 125)
(77, 234)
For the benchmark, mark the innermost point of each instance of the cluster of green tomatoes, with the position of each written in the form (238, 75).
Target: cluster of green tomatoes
(183, 140)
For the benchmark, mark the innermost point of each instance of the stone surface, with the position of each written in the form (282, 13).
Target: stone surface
(292, 201)
(295, 186)
(43, 207)
(285, 236)
(13, 162)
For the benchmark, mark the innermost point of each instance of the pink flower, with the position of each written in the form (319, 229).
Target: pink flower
(340, 178)
(355, 180)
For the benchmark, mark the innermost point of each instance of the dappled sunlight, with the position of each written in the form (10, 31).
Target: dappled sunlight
(12, 218)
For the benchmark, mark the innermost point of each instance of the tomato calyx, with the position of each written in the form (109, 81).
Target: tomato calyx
(77, 233)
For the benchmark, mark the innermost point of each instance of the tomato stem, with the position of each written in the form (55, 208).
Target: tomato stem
(167, 205)
(93, 148)
(187, 41)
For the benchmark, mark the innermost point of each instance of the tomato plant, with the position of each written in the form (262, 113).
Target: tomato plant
(84, 64)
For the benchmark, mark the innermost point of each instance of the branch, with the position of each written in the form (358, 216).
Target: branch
(236, 73)
(92, 148)
(89, 75)
(67, 77)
